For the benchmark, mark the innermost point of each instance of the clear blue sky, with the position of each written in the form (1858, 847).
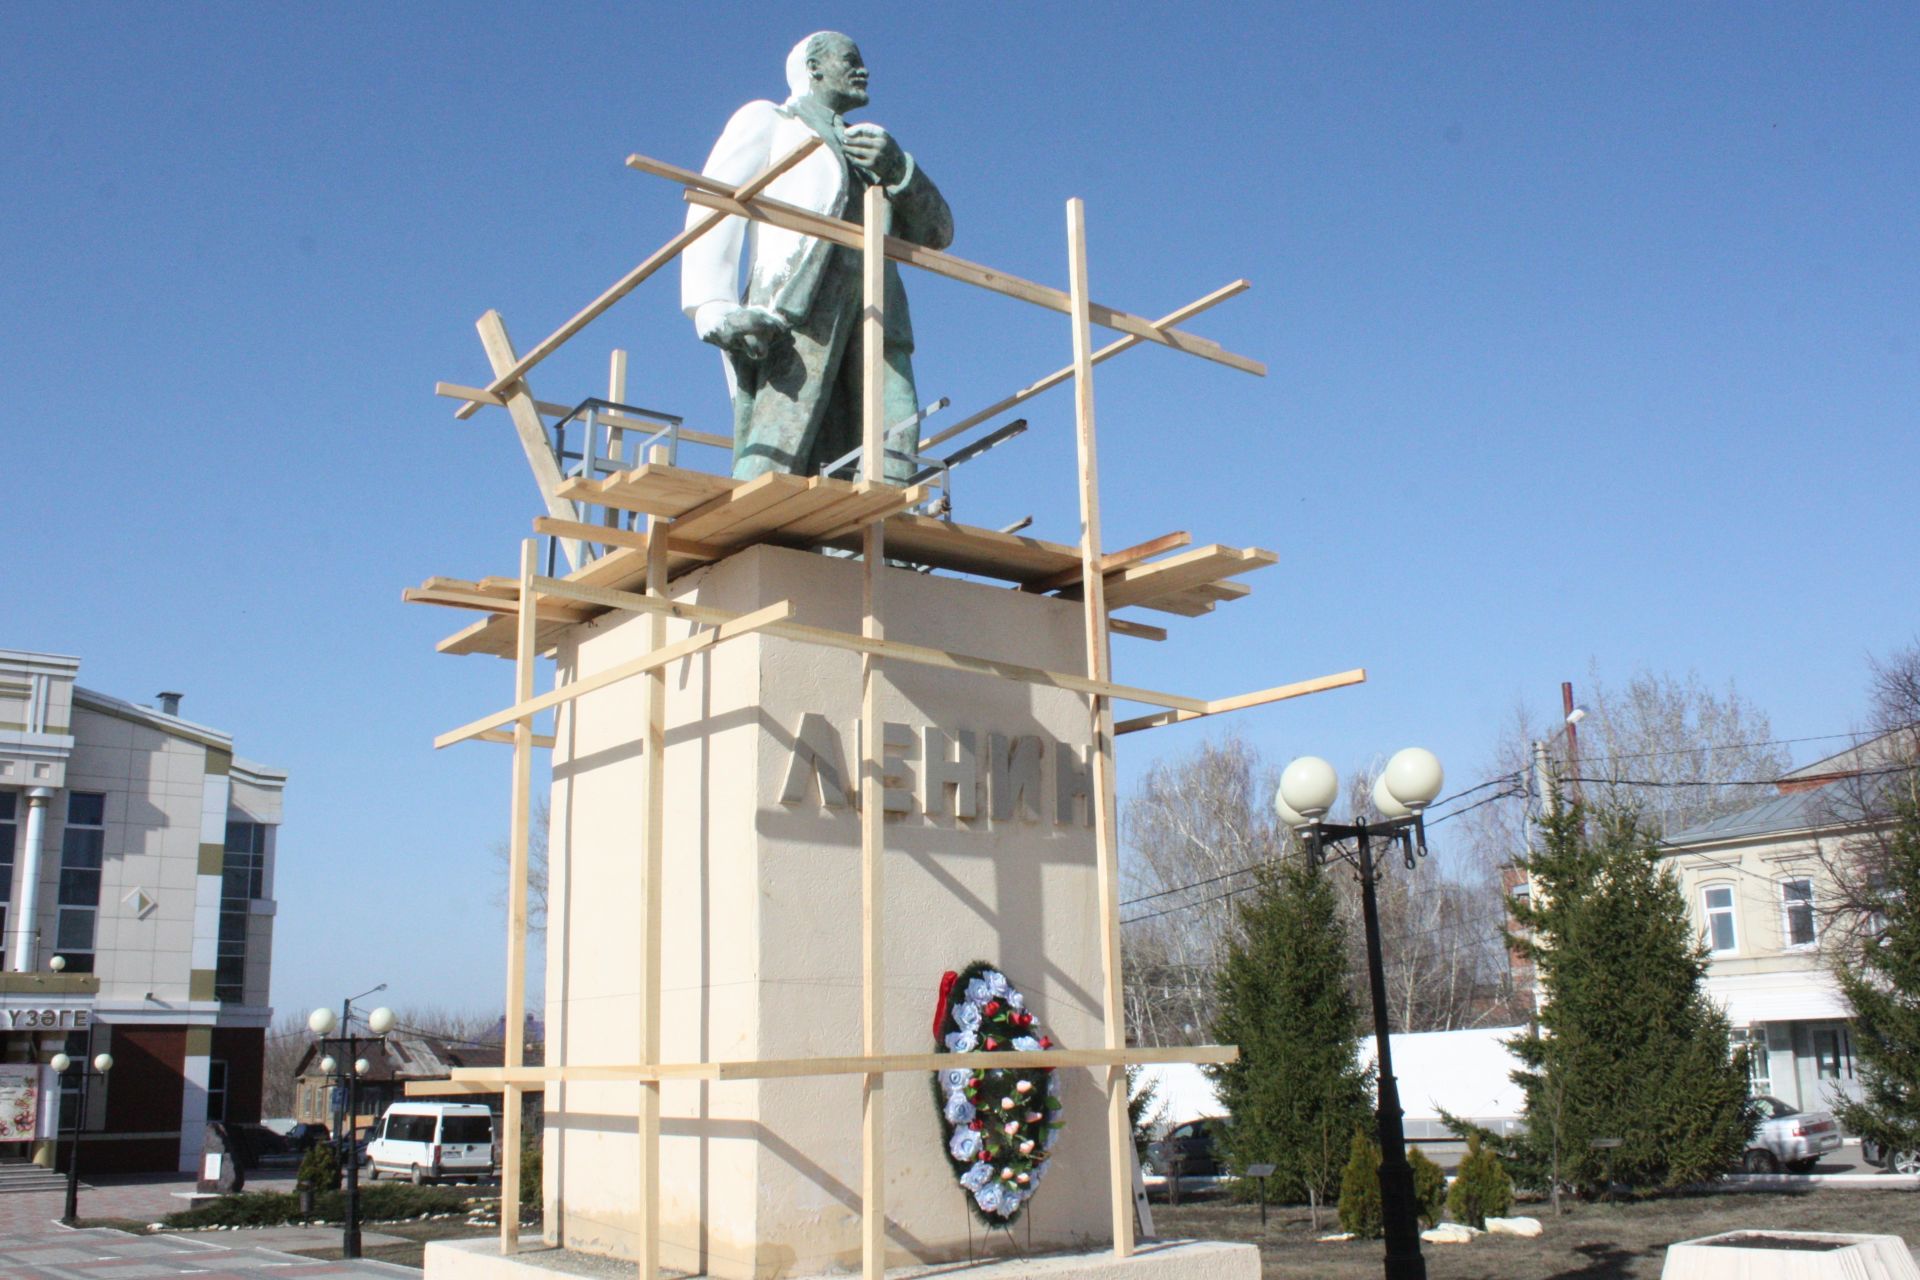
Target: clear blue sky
(1594, 333)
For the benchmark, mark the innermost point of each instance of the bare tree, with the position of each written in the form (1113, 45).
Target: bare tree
(1674, 749)
(538, 823)
(287, 1041)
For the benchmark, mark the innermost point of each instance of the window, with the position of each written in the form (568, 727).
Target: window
(1759, 1065)
(9, 835)
(243, 877)
(82, 845)
(1796, 912)
(468, 1130)
(1833, 1053)
(217, 1089)
(1721, 935)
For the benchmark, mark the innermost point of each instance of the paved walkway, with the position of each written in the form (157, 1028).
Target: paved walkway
(34, 1246)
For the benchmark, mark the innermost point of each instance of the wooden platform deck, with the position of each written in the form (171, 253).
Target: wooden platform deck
(714, 516)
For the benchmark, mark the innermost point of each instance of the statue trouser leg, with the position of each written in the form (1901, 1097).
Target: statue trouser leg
(783, 402)
(842, 431)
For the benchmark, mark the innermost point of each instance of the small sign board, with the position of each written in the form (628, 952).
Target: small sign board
(1260, 1170)
(1606, 1144)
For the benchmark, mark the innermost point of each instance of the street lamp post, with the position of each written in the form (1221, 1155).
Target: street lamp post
(1308, 788)
(63, 1066)
(349, 1065)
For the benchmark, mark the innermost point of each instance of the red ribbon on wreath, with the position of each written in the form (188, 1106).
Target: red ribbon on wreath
(947, 980)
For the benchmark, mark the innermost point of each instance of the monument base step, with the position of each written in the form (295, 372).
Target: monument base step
(1168, 1260)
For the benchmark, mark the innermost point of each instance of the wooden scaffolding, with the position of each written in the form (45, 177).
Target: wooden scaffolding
(694, 518)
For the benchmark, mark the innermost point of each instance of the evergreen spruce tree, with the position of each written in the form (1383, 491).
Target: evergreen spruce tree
(1297, 1093)
(1881, 980)
(1627, 1046)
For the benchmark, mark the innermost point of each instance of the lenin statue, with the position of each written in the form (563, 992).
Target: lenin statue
(792, 336)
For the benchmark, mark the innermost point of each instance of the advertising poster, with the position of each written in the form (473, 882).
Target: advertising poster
(19, 1102)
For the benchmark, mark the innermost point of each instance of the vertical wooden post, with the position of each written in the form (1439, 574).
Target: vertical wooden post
(525, 654)
(653, 841)
(873, 369)
(1100, 667)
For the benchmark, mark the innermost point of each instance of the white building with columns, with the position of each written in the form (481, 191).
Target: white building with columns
(136, 908)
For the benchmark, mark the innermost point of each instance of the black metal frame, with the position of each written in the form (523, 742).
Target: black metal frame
(1399, 1212)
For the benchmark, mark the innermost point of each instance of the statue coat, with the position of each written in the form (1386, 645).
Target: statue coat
(800, 407)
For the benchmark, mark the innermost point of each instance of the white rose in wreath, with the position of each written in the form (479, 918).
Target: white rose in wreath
(978, 992)
(977, 1177)
(960, 1041)
(956, 1079)
(991, 1198)
(1026, 1044)
(965, 1144)
(967, 1017)
(958, 1110)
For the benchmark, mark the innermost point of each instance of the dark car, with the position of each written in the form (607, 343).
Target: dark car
(1188, 1151)
(305, 1137)
(1900, 1161)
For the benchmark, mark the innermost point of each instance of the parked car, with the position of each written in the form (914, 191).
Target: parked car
(305, 1137)
(1899, 1162)
(1789, 1137)
(433, 1142)
(1188, 1151)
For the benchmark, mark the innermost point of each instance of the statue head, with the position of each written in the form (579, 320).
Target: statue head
(828, 66)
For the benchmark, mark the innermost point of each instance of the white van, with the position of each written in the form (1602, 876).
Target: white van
(432, 1142)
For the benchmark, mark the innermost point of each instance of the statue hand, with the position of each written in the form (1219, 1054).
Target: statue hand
(749, 332)
(873, 149)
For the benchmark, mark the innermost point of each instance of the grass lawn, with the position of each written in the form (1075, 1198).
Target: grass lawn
(1589, 1242)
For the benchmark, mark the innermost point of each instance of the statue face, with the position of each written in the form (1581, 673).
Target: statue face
(840, 75)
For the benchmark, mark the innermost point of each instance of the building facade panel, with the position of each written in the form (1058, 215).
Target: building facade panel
(113, 857)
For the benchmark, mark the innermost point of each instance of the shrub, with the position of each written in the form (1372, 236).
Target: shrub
(382, 1202)
(1481, 1189)
(1360, 1189)
(320, 1168)
(1429, 1186)
(531, 1169)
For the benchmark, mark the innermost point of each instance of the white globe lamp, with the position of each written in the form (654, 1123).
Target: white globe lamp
(328, 1065)
(60, 1062)
(1383, 800)
(380, 1021)
(103, 1063)
(1309, 786)
(57, 964)
(361, 1066)
(322, 1021)
(1414, 777)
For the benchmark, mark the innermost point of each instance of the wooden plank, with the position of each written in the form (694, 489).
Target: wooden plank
(969, 549)
(1259, 698)
(920, 655)
(528, 426)
(490, 603)
(520, 811)
(881, 505)
(1114, 560)
(501, 735)
(738, 626)
(873, 831)
(634, 539)
(1135, 630)
(652, 490)
(626, 284)
(1099, 666)
(479, 1079)
(626, 422)
(722, 512)
(794, 218)
(652, 853)
(1202, 566)
(1177, 316)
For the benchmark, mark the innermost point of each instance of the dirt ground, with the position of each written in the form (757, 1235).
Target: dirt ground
(1589, 1242)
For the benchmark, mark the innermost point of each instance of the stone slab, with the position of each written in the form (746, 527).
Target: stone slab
(1856, 1257)
(1170, 1260)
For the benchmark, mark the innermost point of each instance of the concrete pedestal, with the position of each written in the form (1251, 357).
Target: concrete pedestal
(1174, 1260)
(989, 856)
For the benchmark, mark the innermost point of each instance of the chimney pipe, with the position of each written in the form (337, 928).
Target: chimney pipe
(170, 703)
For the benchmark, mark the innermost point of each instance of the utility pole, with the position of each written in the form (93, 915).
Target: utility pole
(1573, 737)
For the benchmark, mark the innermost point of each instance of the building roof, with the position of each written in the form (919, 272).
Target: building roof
(1840, 800)
(404, 1055)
